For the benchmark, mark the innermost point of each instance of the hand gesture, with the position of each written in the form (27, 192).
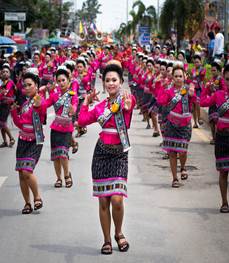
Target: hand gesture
(14, 106)
(37, 101)
(3, 91)
(127, 100)
(90, 98)
(191, 90)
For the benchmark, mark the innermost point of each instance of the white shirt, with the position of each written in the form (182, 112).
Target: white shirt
(219, 44)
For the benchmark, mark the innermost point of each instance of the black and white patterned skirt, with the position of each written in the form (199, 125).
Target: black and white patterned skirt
(213, 114)
(27, 155)
(109, 170)
(4, 113)
(222, 150)
(60, 143)
(176, 138)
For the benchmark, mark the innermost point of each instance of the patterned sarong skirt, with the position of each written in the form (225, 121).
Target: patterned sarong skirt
(146, 102)
(4, 113)
(27, 155)
(176, 138)
(222, 150)
(60, 143)
(212, 114)
(109, 170)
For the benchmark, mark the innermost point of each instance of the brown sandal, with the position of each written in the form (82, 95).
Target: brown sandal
(58, 183)
(12, 142)
(122, 246)
(38, 204)
(176, 183)
(3, 145)
(106, 248)
(75, 147)
(27, 209)
(68, 181)
(184, 174)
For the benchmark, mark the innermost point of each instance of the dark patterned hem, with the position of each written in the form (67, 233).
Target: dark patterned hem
(110, 187)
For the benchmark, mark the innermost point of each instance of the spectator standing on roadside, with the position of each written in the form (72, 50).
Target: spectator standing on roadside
(219, 44)
(210, 46)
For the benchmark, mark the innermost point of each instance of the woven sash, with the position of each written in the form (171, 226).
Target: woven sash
(36, 121)
(38, 128)
(119, 121)
(223, 108)
(64, 101)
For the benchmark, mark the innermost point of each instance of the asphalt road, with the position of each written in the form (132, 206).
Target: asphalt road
(162, 224)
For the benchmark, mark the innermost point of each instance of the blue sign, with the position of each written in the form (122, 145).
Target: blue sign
(144, 35)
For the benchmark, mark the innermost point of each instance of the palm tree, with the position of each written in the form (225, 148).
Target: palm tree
(89, 11)
(143, 16)
(124, 31)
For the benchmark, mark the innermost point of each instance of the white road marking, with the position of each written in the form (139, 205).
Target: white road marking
(2, 180)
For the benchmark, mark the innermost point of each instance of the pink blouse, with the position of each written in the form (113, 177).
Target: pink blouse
(7, 92)
(60, 123)
(217, 98)
(24, 120)
(109, 134)
(176, 115)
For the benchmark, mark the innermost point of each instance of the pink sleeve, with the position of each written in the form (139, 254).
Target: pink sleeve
(206, 101)
(86, 117)
(163, 97)
(74, 102)
(50, 101)
(16, 118)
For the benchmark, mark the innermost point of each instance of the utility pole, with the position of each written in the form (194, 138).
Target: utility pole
(127, 11)
(61, 14)
(226, 10)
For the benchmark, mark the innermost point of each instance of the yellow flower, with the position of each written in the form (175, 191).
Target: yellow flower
(197, 73)
(36, 97)
(71, 92)
(183, 91)
(114, 107)
(216, 82)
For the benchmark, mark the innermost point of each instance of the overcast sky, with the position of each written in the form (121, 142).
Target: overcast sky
(114, 12)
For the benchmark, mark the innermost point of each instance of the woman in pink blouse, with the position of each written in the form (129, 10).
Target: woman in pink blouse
(30, 140)
(7, 97)
(197, 77)
(220, 98)
(178, 101)
(214, 84)
(110, 159)
(64, 101)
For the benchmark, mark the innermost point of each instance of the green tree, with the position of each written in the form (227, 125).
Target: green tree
(183, 16)
(143, 16)
(124, 31)
(89, 11)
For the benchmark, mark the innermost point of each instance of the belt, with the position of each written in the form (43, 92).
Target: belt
(110, 130)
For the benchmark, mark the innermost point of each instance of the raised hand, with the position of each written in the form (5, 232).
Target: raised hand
(127, 100)
(14, 106)
(90, 98)
(37, 101)
(191, 90)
